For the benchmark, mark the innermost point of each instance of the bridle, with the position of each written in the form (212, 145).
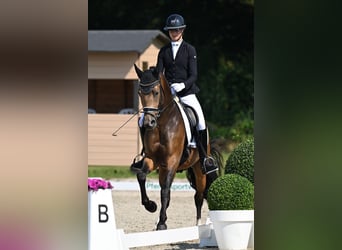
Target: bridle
(145, 89)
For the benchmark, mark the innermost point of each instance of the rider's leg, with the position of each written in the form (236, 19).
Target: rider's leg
(208, 164)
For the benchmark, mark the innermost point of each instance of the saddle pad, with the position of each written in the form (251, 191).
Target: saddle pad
(191, 141)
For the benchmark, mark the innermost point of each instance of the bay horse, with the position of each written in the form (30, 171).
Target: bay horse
(165, 146)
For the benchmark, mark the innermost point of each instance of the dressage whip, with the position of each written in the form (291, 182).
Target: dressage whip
(114, 133)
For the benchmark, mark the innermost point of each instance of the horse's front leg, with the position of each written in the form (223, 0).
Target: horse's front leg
(149, 205)
(165, 181)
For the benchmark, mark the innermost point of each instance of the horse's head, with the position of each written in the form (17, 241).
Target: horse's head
(150, 93)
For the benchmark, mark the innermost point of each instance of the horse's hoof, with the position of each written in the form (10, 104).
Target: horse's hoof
(161, 227)
(151, 206)
(198, 222)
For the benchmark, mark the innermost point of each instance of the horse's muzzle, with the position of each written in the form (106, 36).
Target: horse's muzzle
(150, 117)
(150, 121)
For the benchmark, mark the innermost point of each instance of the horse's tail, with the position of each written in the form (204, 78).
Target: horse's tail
(211, 177)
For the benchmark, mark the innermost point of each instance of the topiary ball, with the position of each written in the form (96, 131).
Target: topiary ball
(231, 192)
(241, 160)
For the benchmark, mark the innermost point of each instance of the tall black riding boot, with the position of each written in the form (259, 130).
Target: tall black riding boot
(207, 162)
(136, 166)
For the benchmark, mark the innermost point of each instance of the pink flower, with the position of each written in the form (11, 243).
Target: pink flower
(96, 184)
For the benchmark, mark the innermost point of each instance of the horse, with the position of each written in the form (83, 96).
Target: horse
(165, 146)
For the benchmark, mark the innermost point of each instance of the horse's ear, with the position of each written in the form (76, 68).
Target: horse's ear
(138, 71)
(154, 71)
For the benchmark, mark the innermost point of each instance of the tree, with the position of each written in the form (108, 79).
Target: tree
(221, 31)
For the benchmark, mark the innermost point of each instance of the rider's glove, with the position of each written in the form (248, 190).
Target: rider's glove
(178, 86)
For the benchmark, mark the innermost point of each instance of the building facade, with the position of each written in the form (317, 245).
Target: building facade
(112, 91)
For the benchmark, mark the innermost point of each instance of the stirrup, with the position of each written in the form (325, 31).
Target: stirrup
(209, 165)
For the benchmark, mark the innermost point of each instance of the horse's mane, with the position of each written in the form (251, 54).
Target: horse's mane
(165, 87)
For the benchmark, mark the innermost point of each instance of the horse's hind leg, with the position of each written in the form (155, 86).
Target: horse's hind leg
(199, 195)
(149, 205)
(199, 203)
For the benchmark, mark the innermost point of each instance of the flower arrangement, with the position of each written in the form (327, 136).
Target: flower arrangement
(96, 184)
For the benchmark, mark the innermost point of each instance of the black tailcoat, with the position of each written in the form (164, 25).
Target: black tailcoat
(182, 69)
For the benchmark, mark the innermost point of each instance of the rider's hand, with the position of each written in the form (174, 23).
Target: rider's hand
(178, 86)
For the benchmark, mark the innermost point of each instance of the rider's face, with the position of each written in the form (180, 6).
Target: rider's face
(176, 34)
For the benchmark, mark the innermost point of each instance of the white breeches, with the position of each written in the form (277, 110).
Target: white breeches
(192, 101)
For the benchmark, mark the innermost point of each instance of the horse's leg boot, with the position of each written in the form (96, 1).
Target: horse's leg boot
(208, 163)
(137, 166)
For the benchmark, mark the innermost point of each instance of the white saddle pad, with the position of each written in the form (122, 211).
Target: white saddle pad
(191, 141)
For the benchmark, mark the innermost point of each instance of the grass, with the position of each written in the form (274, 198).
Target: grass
(110, 172)
(119, 172)
(123, 172)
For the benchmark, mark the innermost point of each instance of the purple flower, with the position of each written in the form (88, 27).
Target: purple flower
(96, 184)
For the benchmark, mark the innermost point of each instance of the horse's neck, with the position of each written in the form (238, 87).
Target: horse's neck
(167, 100)
(170, 114)
(169, 106)
(167, 91)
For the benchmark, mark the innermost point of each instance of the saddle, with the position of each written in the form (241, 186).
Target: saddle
(190, 118)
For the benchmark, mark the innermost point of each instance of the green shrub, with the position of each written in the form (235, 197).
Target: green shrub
(241, 160)
(231, 192)
(243, 127)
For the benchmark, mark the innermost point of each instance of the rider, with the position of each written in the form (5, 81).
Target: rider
(178, 60)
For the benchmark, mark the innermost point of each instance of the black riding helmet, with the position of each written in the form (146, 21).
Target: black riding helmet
(174, 21)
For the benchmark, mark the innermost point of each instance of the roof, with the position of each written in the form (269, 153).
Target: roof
(123, 40)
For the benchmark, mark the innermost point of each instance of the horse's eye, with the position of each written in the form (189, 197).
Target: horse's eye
(156, 93)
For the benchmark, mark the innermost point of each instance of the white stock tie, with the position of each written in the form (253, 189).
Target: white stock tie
(175, 47)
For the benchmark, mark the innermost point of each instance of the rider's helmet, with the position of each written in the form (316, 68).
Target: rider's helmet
(174, 21)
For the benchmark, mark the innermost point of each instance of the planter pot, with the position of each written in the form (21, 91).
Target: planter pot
(251, 238)
(233, 228)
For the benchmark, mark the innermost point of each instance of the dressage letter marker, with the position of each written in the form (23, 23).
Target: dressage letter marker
(102, 232)
(103, 212)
